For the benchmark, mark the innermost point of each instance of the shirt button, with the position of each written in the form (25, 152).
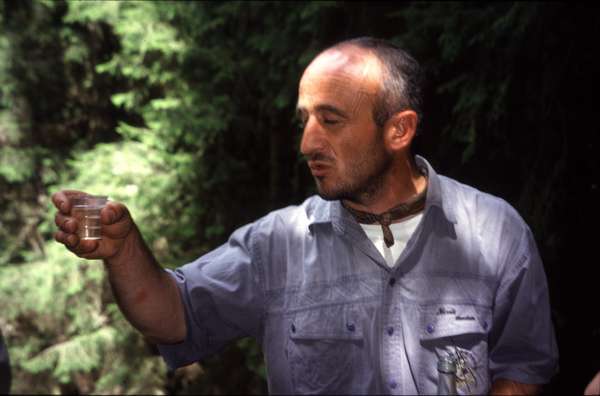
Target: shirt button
(430, 329)
(390, 330)
(350, 326)
(392, 281)
(393, 384)
(293, 328)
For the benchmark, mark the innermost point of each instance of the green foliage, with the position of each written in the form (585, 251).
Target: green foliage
(16, 165)
(80, 353)
(478, 49)
(60, 320)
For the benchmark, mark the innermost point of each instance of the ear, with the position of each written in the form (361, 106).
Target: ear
(400, 130)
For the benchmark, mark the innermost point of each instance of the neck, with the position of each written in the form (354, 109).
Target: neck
(401, 184)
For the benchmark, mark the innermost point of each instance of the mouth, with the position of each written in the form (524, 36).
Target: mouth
(319, 168)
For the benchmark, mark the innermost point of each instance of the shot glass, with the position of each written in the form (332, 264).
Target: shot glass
(86, 209)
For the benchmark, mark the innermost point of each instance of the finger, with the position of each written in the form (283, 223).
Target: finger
(87, 248)
(81, 247)
(66, 223)
(62, 200)
(113, 212)
(69, 240)
(116, 221)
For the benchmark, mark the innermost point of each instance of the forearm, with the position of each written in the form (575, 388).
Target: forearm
(508, 387)
(145, 293)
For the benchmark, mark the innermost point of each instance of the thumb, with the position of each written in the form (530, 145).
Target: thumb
(112, 213)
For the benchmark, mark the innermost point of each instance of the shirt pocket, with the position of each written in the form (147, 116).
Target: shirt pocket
(459, 330)
(326, 351)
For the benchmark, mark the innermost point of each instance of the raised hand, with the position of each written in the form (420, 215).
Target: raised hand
(116, 222)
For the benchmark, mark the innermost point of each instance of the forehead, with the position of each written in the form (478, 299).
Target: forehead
(344, 76)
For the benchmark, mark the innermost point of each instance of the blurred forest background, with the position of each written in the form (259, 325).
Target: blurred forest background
(185, 112)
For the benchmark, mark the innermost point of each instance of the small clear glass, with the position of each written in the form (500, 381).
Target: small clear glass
(86, 209)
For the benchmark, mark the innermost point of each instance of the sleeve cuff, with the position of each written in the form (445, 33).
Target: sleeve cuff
(523, 376)
(187, 351)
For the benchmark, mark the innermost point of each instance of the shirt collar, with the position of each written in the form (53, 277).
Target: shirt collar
(318, 211)
(436, 196)
(321, 211)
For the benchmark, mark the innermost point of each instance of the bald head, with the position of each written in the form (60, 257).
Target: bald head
(351, 61)
(387, 71)
(350, 72)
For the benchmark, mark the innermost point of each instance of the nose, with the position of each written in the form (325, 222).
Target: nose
(313, 139)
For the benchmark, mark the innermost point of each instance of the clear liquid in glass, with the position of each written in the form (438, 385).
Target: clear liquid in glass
(88, 219)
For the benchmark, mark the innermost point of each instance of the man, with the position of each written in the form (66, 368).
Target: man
(342, 300)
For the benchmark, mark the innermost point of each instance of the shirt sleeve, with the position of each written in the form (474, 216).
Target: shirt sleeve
(223, 300)
(522, 341)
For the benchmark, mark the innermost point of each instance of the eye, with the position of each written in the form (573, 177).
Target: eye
(330, 121)
(301, 119)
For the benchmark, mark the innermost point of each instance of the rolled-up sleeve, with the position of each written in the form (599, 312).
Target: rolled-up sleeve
(223, 300)
(522, 342)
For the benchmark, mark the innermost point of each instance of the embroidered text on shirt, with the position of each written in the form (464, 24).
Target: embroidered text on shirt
(446, 311)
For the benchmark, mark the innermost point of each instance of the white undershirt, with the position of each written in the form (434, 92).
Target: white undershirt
(402, 232)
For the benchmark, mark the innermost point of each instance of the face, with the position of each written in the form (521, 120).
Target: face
(344, 148)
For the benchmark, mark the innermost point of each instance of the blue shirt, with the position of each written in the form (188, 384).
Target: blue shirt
(332, 317)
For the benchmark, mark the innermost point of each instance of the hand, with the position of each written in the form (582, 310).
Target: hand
(503, 386)
(593, 387)
(117, 226)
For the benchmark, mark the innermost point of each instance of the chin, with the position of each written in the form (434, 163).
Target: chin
(330, 193)
(324, 191)
(328, 197)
